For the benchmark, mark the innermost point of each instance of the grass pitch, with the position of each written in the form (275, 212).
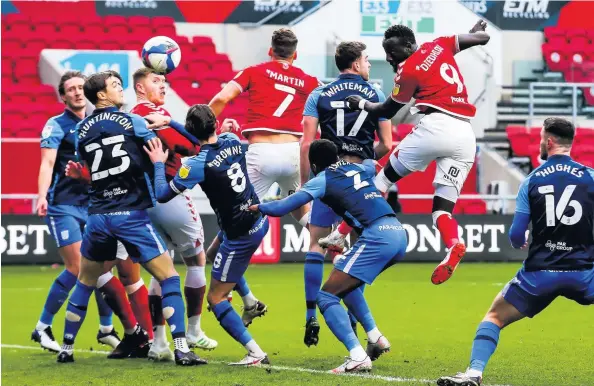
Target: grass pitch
(430, 327)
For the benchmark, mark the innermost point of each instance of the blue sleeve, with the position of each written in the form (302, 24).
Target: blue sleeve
(286, 205)
(140, 128)
(229, 136)
(522, 203)
(311, 106)
(591, 171)
(163, 190)
(517, 231)
(316, 187)
(381, 99)
(182, 130)
(190, 174)
(51, 135)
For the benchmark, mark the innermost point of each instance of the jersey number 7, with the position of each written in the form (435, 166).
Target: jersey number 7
(287, 101)
(556, 212)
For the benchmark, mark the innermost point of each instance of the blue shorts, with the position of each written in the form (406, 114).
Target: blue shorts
(66, 223)
(133, 228)
(322, 215)
(381, 245)
(531, 292)
(234, 255)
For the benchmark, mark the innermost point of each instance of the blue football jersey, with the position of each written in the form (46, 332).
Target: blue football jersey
(353, 132)
(221, 171)
(345, 187)
(559, 197)
(111, 143)
(60, 133)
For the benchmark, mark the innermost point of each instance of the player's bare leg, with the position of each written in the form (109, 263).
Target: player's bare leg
(338, 285)
(162, 269)
(194, 290)
(500, 314)
(232, 323)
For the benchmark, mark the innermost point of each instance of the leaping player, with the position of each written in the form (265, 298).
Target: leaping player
(429, 74)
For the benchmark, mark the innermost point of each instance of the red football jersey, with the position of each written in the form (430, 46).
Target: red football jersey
(431, 76)
(277, 94)
(178, 145)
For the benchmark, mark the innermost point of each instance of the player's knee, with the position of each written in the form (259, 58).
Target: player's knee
(72, 268)
(325, 300)
(494, 318)
(445, 197)
(215, 296)
(190, 256)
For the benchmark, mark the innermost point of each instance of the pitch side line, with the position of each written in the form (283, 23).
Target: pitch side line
(279, 368)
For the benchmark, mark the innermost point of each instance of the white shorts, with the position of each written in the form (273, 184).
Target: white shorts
(121, 253)
(268, 163)
(178, 223)
(447, 140)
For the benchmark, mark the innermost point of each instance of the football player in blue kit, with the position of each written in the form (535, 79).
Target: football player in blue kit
(345, 187)
(353, 132)
(63, 202)
(110, 142)
(557, 198)
(220, 170)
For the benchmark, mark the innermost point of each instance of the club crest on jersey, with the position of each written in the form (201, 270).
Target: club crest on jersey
(184, 171)
(396, 89)
(46, 132)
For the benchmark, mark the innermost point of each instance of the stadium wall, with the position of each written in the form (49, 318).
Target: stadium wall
(26, 240)
(521, 54)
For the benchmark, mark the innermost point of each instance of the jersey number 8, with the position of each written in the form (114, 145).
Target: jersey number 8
(116, 152)
(238, 180)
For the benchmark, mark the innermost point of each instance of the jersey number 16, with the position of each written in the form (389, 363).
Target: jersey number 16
(556, 212)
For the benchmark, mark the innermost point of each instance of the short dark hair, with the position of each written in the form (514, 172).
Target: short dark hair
(562, 129)
(347, 53)
(201, 122)
(284, 43)
(66, 77)
(322, 153)
(142, 73)
(402, 32)
(97, 83)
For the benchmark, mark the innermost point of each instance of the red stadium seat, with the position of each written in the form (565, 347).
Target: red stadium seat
(111, 45)
(143, 31)
(198, 68)
(556, 57)
(45, 26)
(158, 21)
(7, 66)
(550, 32)
(37, 44)
(94, 27)
(222, 65)
(165, 30)
(86, 45)
(134, 21)
(11, 45)
(70, 29)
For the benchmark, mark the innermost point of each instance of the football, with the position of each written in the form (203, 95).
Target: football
(162, 54)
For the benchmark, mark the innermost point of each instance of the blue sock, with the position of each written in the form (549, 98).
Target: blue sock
(242, 287)
(231, 322)
(484, 345)
(337, 319)
(313, 273)
(357, 305)
(76, 310)
(57, 295)
(174, 309)
(105, 312)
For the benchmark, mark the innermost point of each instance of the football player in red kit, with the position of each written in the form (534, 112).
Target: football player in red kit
(429, 74)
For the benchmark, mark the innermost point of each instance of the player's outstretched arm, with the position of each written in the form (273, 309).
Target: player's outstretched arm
(386, 109)
(226, 95)
(285, 206)
(476, 36)
(384, 134)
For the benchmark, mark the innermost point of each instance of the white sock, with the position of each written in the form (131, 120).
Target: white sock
(154, 287)
(474, 373)
(181, 344)
(103, 279)
(358, 354)
(195, 277)
(105, 329)
(41, 326)
(130, 331)
(249, 300)
(130, 289)
(253, 348)
(304, 220)
(382, 183)
(373, 335)
(160, 335)
(67, 347)
(194, 325)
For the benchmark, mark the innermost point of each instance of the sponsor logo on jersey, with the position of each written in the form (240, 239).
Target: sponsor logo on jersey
(396, 89)
(184, 171)
(458, 100)
(559, 246)
(47, 131)
(454, 171)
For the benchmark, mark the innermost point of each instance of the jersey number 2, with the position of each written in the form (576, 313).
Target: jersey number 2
(556, 212)
(116, 152)
(357, 183)
(287, 101)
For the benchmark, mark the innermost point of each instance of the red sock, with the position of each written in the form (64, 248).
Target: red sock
(139, 301)
(448, 228)
(344, 228)
(115, 296)
(194, 300)
(156, 309)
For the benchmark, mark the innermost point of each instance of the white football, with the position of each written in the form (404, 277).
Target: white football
(162, 54)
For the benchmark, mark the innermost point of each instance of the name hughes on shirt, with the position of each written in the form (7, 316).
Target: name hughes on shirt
(560, 168)
(224, 154)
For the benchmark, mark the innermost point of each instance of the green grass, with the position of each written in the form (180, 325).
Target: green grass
(430, 327)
